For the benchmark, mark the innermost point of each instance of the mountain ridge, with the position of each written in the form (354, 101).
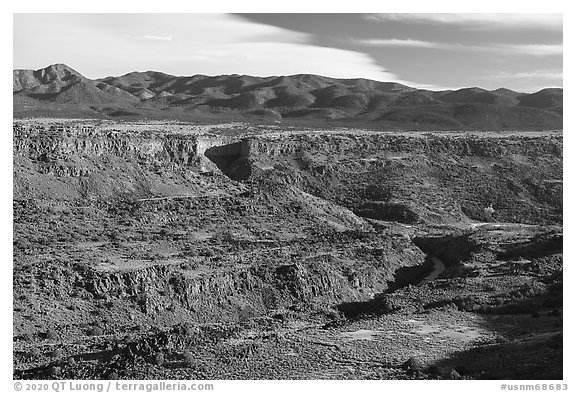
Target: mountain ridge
(59, 89)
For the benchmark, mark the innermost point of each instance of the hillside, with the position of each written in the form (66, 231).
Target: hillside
(60, 91)
(176, 251)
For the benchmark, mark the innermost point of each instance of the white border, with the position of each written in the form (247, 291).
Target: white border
(303, 6)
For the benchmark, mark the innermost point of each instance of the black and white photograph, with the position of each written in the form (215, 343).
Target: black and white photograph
(204, 197)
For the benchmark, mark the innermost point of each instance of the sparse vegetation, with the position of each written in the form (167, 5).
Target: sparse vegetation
(191, 274)
(159, 359)
(96, 331)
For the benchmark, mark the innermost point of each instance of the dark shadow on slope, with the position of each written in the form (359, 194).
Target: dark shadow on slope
(385, 211)
(529, 345)
(374, 307)
(231, 160)
(380, 304)
(537, 247)
(535, 358)
(451, 250)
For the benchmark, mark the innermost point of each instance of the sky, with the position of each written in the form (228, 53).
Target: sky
(522, 52)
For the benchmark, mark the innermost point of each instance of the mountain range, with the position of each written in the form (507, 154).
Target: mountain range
(60, 91)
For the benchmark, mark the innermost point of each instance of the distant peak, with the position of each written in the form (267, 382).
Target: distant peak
(551, 90)
(474, 89)
(60, 67)
(57, 71)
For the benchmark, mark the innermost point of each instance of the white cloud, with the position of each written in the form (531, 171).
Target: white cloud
(516, 49)
(478, 20)
(271, 58)
(553, 74)
(532, 49)
(158, 37)
(525, 81)
(398, 43)
(100, 45)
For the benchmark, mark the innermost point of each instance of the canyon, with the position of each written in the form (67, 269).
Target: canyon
(171, 250)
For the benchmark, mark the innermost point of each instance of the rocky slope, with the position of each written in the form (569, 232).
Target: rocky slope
(60, 91)
(179, 252)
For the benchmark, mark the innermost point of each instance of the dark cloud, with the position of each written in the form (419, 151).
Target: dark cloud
(452, 50)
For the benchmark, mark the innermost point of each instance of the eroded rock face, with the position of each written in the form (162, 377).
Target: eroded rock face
(68, 141)
(425, 177)
(221, 293)
(115, 230)
(391, 177)
(83, 164)
(408, 179)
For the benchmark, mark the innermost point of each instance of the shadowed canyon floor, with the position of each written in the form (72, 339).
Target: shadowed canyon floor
(165, 250)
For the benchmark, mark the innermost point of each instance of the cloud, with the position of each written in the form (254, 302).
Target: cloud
(100, 45)
(525, 81)
(275, 59)
(398, 43)
(477, 20)
(271, 58)
(553, 74)
(212, 44)
(516, 49)
(158, 37)
(532, 49)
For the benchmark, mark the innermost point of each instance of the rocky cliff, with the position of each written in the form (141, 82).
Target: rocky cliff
(137, 242)
(435, 177)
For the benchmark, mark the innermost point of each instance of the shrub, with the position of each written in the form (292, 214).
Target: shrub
(433, 370)
(412, 364)
(190, 329)
(188, 359)
(207, 252)
(26, 337)
(159, 359)
(23, 244)
(96, 331)
(55, 371)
